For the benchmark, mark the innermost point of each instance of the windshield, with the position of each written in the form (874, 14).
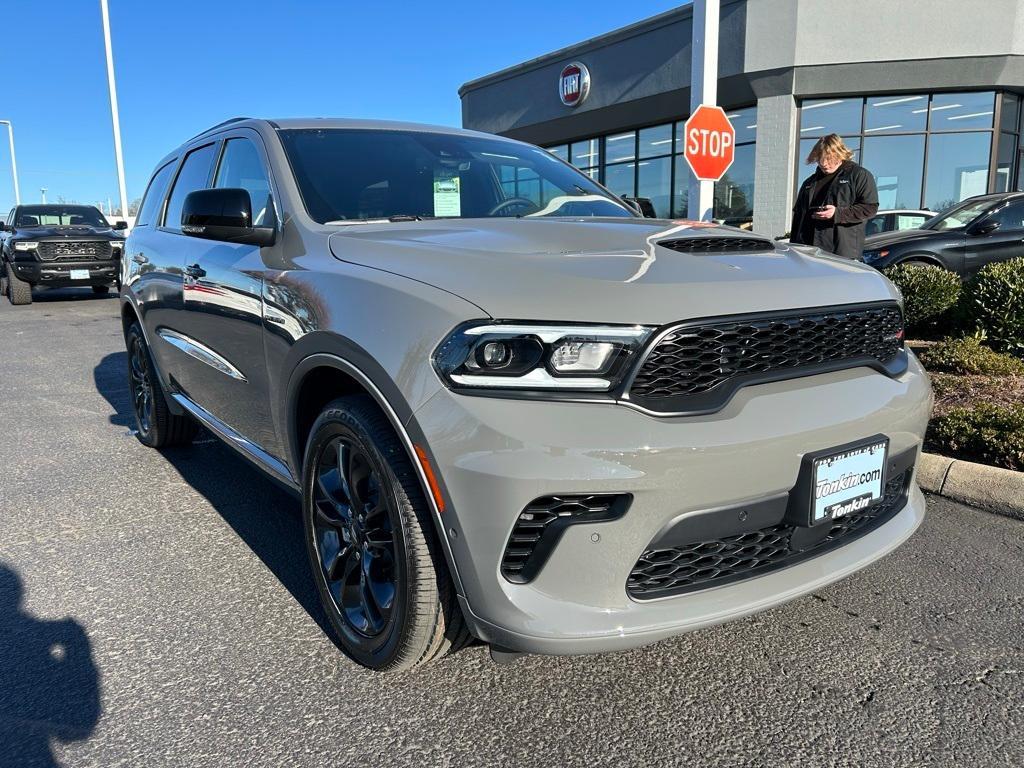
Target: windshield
(351, 175)
(60, 216)
(958, 216)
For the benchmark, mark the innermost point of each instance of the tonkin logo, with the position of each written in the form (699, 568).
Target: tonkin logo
(574, 84)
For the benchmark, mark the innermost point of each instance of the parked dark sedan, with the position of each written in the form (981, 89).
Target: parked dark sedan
(964, 238)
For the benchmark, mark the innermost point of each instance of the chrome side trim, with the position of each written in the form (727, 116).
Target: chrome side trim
(200, 352)
(269, 464)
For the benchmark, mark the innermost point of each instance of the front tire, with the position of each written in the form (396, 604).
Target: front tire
(378, 568)
(18, 291)
(156, 426)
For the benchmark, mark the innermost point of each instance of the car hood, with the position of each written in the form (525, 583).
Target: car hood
(107, 233)
(603, 270)
(883, 239)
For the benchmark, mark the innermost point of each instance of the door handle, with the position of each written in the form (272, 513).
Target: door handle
(140, 258)
(195, 271)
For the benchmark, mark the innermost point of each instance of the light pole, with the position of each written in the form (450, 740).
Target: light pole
(113, 110)
(14, 162)
(42, 192)
(703, 90)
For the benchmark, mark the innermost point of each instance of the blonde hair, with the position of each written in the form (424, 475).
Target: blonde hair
(829, 146)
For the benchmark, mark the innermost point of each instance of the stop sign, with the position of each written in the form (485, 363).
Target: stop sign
(710, 142)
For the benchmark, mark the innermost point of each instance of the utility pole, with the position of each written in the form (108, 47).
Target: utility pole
(703, 90)
(14, 161)
(42, 192)
(115, 119)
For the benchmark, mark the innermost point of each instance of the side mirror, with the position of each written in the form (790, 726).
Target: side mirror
(120, 225)
(223, 214)
(985, 228)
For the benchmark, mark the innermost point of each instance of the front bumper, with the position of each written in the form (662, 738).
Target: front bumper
(496, 455)
(58, 273)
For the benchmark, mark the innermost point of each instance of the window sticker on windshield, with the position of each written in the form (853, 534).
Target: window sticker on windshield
(447, 199)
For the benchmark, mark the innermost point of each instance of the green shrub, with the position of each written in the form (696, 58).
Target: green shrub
(994, 303)
(970, 356)
(929, 293)
(992, 434)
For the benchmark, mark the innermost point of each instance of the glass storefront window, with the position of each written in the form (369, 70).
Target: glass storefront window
(897, 163)
(654, 181)
(734, 193)
(621, 146)
(1004, 161)
(680, 141)
(681, 188)
(585, 154)
(561, 151)
(619, 179)
(819, 117)
(744, 122)
(895, 114)
(1010, 111)
(962, 111)
(957, 168)
(656, 141)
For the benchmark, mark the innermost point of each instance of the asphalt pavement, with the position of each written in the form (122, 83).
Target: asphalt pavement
(156, 609)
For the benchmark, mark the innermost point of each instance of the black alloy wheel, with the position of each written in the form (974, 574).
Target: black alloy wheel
(141, 384)
(377, 563)
(354, 536)
(157, 426)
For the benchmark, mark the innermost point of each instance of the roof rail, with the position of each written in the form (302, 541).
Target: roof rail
(218, 125)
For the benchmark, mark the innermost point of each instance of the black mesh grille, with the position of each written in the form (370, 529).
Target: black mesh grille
(695, 358)
(61, 250)
(705, 564)
(718, 245)
(541, 524)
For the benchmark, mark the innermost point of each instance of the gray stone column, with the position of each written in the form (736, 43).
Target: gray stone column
(774, 163)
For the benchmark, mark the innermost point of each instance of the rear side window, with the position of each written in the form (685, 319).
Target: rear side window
(192, 176)
(154, 195)
(241, 167)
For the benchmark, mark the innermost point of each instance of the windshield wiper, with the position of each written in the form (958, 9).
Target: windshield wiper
(396, 218)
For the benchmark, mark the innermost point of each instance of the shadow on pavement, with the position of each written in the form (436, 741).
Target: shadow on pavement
(45, 295)
(49, 684)
(267, 518)
(111, 379)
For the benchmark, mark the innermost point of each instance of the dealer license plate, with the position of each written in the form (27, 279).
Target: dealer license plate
(79, 274)
(848, 482)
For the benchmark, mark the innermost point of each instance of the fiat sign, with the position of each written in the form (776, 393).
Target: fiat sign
(574, 84)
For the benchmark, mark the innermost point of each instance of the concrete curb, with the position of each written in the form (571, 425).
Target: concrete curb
(990, 488)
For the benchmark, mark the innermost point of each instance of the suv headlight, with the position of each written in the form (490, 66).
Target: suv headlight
(22, 245)
(538, 357)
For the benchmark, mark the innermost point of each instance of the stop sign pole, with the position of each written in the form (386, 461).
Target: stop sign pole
(703, 90)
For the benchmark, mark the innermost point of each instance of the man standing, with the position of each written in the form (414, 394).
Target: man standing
(835, 201)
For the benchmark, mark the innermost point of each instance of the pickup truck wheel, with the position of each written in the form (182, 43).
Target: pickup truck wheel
(379, 571)
(156, 426)
(101, 290)
(18, 291)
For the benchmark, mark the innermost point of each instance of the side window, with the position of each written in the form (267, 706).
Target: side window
(909, 221)
(242, 168)
(192, 176)
(875, 225)
(1010, 217)
(154, 195)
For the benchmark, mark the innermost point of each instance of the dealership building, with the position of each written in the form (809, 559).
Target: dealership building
(928, 95)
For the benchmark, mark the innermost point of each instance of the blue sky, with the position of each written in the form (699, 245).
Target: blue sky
(183, 65)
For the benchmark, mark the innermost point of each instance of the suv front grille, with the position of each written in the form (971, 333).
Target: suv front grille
(697, 366)
(709, 245)
(69, 250)
(704, 564)
(541, 524)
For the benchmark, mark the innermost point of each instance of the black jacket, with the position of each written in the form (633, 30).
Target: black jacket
(855, 196)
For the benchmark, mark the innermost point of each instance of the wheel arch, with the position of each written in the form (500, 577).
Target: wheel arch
(322, 377)
(925, 257)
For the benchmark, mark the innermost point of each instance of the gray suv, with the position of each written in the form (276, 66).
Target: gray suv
(513, 409)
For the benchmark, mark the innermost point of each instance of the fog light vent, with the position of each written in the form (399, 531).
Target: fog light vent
(540, 526)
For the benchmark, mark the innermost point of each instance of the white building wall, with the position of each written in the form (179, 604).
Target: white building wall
(774, 160)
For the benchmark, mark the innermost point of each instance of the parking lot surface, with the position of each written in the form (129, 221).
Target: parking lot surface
(156, 609)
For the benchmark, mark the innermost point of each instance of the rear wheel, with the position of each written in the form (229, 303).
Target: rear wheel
(157, 427)
(18, 291)
(379, 571)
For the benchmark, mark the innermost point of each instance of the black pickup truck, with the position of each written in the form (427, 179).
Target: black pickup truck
(58, 246)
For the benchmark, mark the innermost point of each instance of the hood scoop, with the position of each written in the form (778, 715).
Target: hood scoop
(716, 245)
